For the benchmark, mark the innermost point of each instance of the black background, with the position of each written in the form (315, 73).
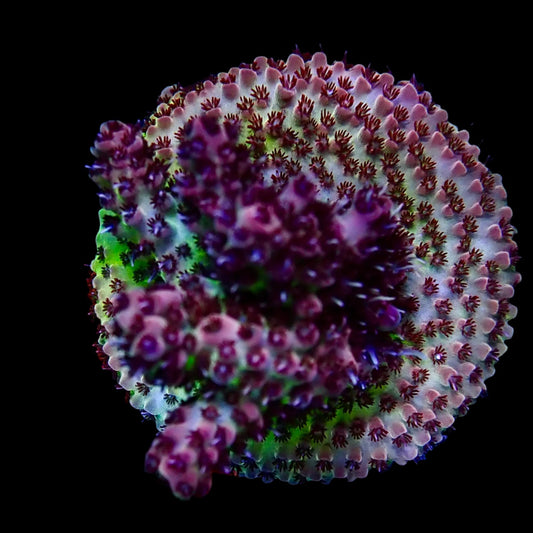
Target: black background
(98, 66)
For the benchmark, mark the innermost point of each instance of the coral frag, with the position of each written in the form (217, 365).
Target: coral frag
(303, 272)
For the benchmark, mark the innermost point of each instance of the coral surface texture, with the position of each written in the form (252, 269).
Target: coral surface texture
(303, 272)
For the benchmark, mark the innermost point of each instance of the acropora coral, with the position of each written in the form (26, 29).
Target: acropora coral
(303, 272)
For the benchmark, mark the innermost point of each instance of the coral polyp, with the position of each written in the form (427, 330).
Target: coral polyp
(303, 272)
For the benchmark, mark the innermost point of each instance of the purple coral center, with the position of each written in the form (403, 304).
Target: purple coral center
(276, 248)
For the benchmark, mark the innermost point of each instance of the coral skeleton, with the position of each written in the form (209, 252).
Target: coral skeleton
(303, 272)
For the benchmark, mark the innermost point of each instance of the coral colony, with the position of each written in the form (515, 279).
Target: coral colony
(303, 272)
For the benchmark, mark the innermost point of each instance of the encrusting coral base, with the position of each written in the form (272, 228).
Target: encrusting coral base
(303, 272)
